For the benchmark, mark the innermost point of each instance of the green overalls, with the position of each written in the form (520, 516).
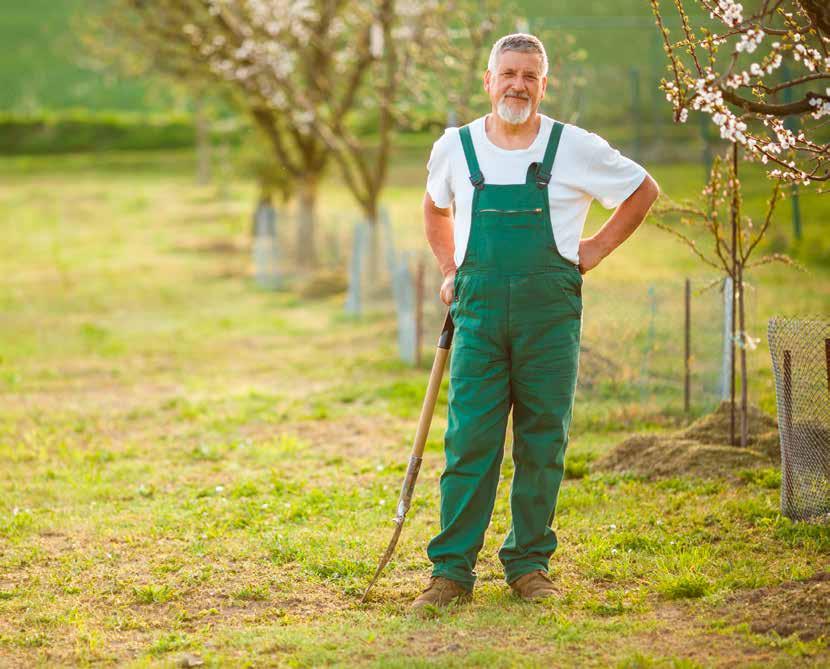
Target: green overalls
(518, 314)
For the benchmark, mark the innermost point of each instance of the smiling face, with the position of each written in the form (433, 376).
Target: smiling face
(517, 86)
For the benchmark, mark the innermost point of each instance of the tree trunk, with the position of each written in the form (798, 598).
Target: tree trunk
(306, 248)
(744, 380)
(202, 143)
(735, 286)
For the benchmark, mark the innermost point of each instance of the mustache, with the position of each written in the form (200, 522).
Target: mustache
(516, 94)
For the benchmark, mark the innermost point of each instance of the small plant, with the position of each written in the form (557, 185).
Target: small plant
(153, 594)
(170, 642)
(688, 586)
(253, 593)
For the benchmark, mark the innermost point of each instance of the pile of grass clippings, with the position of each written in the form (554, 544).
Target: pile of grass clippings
(702, 449)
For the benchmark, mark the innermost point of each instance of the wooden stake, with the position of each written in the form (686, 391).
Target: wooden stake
(827, 361)
(744, 380)
(786, 436)
(687, 388)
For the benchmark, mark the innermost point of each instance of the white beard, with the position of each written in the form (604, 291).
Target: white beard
(507, 114)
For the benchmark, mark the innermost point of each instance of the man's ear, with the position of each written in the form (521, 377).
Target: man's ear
(487, 77)
(544, 85)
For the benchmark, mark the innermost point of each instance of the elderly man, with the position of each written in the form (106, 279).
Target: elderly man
(513, 262)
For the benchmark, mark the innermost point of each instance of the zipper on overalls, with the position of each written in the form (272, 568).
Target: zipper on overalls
(510, 211)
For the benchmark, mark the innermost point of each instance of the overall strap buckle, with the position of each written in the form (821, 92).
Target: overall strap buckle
(477, 180)
(542, 179)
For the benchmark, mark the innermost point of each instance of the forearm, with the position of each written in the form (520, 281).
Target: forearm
(438, 225)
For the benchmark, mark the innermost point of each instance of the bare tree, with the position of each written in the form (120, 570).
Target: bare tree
(743, 91)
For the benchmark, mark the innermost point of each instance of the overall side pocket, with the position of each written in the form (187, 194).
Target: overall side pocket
(573, 293)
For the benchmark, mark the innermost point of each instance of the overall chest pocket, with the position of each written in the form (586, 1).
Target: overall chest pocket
(500, 222)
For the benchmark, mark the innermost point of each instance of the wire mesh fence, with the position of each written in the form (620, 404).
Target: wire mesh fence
(800, 350)
(641, 346)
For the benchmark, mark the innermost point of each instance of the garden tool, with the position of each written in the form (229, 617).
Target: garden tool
(427, 409)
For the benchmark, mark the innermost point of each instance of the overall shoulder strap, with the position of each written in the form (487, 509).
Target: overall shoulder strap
(543, 175)
(476, 177)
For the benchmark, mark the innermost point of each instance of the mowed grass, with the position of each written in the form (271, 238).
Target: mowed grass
(195, 468)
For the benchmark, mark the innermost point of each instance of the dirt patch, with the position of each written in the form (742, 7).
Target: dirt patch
(324, 284)
(216, 246)
(794, 607)
(702, 449)
(350, 436)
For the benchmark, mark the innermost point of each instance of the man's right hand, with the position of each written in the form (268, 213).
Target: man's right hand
(448, 289)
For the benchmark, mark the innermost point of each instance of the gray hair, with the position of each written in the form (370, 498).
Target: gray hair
(521, 42)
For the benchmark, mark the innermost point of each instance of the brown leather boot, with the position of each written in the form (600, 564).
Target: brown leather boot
(535, 585)
(440, 592)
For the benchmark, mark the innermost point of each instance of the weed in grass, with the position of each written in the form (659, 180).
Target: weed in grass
(578, 465)
(170, 642)
(640, 660)
(16, 524)
(803, 535)
(146, 490)
(153, 594)
(100, 457)
(207, 453)
(402, 398)
(245, 489)
(282, 551)
(339, 569)
(687, 586)
(681, 573)
(253, 592)
(34, 640)
(768, 477)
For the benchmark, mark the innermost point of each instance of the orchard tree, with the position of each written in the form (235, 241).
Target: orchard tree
(769, 115)
(197, 41)
(743, 90)
(321, 78)
(380, 67)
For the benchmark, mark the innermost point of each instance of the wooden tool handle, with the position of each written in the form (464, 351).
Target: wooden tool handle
(428, 407)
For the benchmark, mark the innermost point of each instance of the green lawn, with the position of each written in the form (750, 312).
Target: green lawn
(194, 467)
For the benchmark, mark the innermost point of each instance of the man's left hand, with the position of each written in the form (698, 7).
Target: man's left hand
(590, 254)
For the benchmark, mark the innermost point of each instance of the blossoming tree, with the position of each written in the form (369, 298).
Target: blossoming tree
(208, 45)
(746, 96)
(323, 79)
(743, 91)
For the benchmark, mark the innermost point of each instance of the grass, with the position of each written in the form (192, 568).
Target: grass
(193, 466)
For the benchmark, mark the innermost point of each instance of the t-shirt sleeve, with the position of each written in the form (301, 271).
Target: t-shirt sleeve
(439, 181)
(610, 177)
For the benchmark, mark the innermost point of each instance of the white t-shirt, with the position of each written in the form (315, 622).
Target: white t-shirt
(585, 167)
